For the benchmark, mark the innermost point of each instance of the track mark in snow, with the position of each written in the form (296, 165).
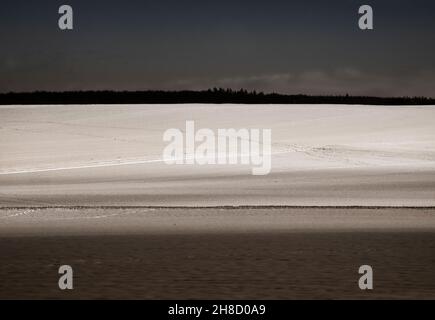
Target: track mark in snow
(78, 217)
(103, 216)
(92, 217)
(23, 213)
(111, 163)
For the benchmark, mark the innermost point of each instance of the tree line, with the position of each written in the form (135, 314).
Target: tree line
(216, 95)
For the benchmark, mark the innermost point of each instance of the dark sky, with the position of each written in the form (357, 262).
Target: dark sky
(301, 46)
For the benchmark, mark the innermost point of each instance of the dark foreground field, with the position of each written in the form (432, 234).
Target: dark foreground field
(279, 254)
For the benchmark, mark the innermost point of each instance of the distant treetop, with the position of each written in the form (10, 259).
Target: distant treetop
(215, 95)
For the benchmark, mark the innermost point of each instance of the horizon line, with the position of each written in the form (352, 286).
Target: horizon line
(209, 96)
(216, 90)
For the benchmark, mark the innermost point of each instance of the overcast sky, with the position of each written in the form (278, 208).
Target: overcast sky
(301, 46)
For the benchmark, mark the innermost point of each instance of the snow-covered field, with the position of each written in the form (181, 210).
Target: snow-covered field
(321, 155)
(55, 160)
